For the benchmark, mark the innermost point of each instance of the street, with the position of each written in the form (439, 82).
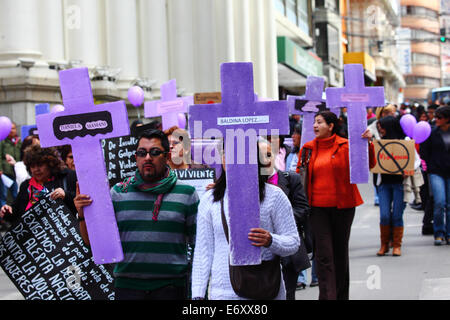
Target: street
(422, 272)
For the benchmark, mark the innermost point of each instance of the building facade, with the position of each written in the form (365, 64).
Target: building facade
(143, 42)
(422, 18)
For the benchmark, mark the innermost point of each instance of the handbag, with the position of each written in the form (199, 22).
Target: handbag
(303, 168)
(260, 282)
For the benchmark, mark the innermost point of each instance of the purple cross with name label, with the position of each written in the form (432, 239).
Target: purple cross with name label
(169, 106)
(308, 106)
(238, 119)
(356, 97)
(82, 125)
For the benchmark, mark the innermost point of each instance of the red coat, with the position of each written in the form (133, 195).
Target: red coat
(347, 194)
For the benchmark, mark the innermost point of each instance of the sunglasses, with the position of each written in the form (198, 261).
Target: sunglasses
(154, 152)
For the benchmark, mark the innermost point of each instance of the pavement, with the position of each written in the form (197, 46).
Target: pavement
(422, 272)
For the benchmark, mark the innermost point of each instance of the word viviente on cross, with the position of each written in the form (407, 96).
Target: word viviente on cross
(356, 97)
(82, 125)
(240, 118)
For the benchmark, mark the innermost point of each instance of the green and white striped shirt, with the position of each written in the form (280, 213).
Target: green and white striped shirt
(155, 252)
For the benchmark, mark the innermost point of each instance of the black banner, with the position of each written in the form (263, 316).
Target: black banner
(119, 158)
(82, 124)
(45, 257)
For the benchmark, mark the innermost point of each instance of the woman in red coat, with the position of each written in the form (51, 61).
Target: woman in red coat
(333, 200)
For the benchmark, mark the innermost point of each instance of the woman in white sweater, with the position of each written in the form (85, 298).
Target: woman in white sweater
(277, 235)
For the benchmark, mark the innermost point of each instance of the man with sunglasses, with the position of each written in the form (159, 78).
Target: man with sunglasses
(156, 216)
(435, 151)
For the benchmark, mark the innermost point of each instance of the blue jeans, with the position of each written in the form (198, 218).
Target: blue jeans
(391, 204)
(302, 277)
(4, 192)
(440, 188)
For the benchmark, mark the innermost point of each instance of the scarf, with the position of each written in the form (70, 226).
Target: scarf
(273, 179)
(160, 187)
(35, 190)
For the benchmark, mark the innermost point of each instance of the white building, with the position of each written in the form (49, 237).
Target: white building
(124, 42)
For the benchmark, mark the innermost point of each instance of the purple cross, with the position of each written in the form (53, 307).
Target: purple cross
(356, 97)
(82, 125)
(232, 119)
(308, 105)
(169, 106)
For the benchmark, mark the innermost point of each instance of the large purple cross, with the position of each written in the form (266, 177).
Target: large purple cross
(240, 116)
(82, 125)
(356, 97)
(169, 106)
(308, 105)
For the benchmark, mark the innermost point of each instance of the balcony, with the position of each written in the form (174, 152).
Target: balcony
(415, 22)
(426, 71)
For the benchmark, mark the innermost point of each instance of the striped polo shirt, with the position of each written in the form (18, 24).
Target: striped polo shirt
(155, 252)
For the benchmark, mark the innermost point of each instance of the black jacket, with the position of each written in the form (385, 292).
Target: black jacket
(435, 154)
(292, 186)
(66, 180)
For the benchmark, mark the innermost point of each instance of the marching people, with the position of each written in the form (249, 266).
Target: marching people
(333, 200)
(10, 146)
(391, 194)
(156, 216)
(435, 151)
(291, 185)
(48, 175)
(277, 236)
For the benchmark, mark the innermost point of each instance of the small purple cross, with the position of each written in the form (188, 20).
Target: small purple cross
(237, 118)
(308, 105)
(356, 97)
(169, 106)
(82, 125)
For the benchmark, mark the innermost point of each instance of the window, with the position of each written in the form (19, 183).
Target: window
(424, 58)
(302, 15)
(331, 5)
(419, 11)
(296, 11)
(430, 82)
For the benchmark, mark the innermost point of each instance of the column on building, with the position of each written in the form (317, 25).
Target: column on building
(153, 40)
(258, 46)
(181, 44)
(85, 39)
(121, 40)
(206, 65)
(19, 30)
(242, 42)
(270, 32)
(51, 28)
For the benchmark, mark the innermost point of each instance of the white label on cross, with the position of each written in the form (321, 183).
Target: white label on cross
(169, 106)
(355, 97)
(228, 121)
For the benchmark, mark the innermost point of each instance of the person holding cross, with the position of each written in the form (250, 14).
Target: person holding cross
(333, 200)
(277, 235)
(156, 216)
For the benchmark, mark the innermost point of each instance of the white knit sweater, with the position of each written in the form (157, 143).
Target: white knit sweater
(212, 250)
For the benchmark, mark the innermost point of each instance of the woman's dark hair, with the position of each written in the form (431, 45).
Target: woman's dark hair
(28, 141)
(392, 127)
(134, 126)
(158, 134)
(443, 111)
(35, 155)
(330, 118)
(221, 183)
(64, 151)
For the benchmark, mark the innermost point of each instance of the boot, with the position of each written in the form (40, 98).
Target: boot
(398, 236)
(385, 232)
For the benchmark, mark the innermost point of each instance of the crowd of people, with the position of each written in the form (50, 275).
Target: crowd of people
(307, 205)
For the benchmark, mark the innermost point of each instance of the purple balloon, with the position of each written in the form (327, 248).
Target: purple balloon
(57, 108)
(5, 127)
(181, 121)
(422, 131)
(136, 96)
(408, 123)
